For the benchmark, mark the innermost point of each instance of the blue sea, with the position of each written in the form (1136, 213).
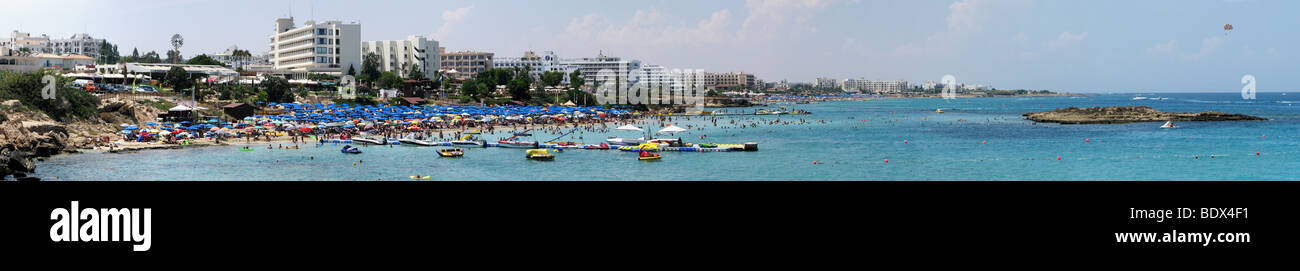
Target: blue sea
(881, 139)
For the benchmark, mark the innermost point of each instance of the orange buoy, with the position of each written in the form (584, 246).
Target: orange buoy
(1087, 140)
(886, 161)
(1256, 153)
(904, 141)
(814, 162)
(1058, 158)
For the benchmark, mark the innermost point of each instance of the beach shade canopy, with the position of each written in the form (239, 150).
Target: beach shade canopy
(629, 127)
(180, 108)
(671, 129)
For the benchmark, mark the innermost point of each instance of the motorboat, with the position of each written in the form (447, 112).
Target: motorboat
(418, 142)
(468, 142)
(602, 146)
(516, 143)
(625, 141)
(1139, 98)
(350, 150)
(939, 111)
(648, 156)
(539, 154)
(511, 142)
(1168, 125)
(451, 152)
(383, 141)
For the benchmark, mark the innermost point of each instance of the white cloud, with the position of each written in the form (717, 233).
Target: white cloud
(450, 19)
(1170, 48)
(1166, 48)
(1066, 39)
(773, 19)
(966, 19)
(648, 28)
(1020, 37)
(1209, 44)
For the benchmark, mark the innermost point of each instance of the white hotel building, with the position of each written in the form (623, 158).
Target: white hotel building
(397, 55)
(329, 47)
(538, 64)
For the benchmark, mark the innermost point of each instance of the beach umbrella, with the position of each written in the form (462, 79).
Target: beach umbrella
(131, 128)
(125, 125)
(671, 129)
(628, 127)
(150, 123)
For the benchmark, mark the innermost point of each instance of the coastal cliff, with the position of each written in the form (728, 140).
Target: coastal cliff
(27, 134)
(1127, 114)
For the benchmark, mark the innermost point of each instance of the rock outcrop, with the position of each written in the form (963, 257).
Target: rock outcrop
(1127, 114)
(26, 133)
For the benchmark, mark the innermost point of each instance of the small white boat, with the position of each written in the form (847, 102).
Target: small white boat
(1168, 125)
(371, 141)
(625, 141)
(467, 143)
(1139, 98)
(417, 142)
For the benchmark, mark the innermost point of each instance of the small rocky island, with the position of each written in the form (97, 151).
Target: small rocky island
(1127, 114)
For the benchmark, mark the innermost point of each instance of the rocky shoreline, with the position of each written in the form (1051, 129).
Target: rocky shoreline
(1128, 114)
(27, 134)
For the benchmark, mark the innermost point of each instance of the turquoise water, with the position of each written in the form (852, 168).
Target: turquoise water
(993, 143)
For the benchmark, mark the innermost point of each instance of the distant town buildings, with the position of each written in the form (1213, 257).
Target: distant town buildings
(826, 83)
(43, 61)
(876, 87)
(329, 47)
(78, 44)
(590, 69)
(929, 85)
(465, 64)
(229, 58)
(398, 56)
(537, 64)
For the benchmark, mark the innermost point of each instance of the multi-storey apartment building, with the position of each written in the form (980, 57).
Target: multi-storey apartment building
(398, 56)
(463, 65)
(78, 44)
(329, 47)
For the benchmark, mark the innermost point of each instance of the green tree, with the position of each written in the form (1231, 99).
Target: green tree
(178, 78)
(321, 77)
(108, 53)
(69, 103)
(150, 57)
(415, 73)
(204, 59)
(277, 89)
(495, 76)
(552, 79)
(518, 90)
(389, 80)
(576, 81)
(370, 68)
(352, 70)
(174, 56)
(474, 89)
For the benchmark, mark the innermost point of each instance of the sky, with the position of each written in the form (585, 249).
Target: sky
(1078, 46)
